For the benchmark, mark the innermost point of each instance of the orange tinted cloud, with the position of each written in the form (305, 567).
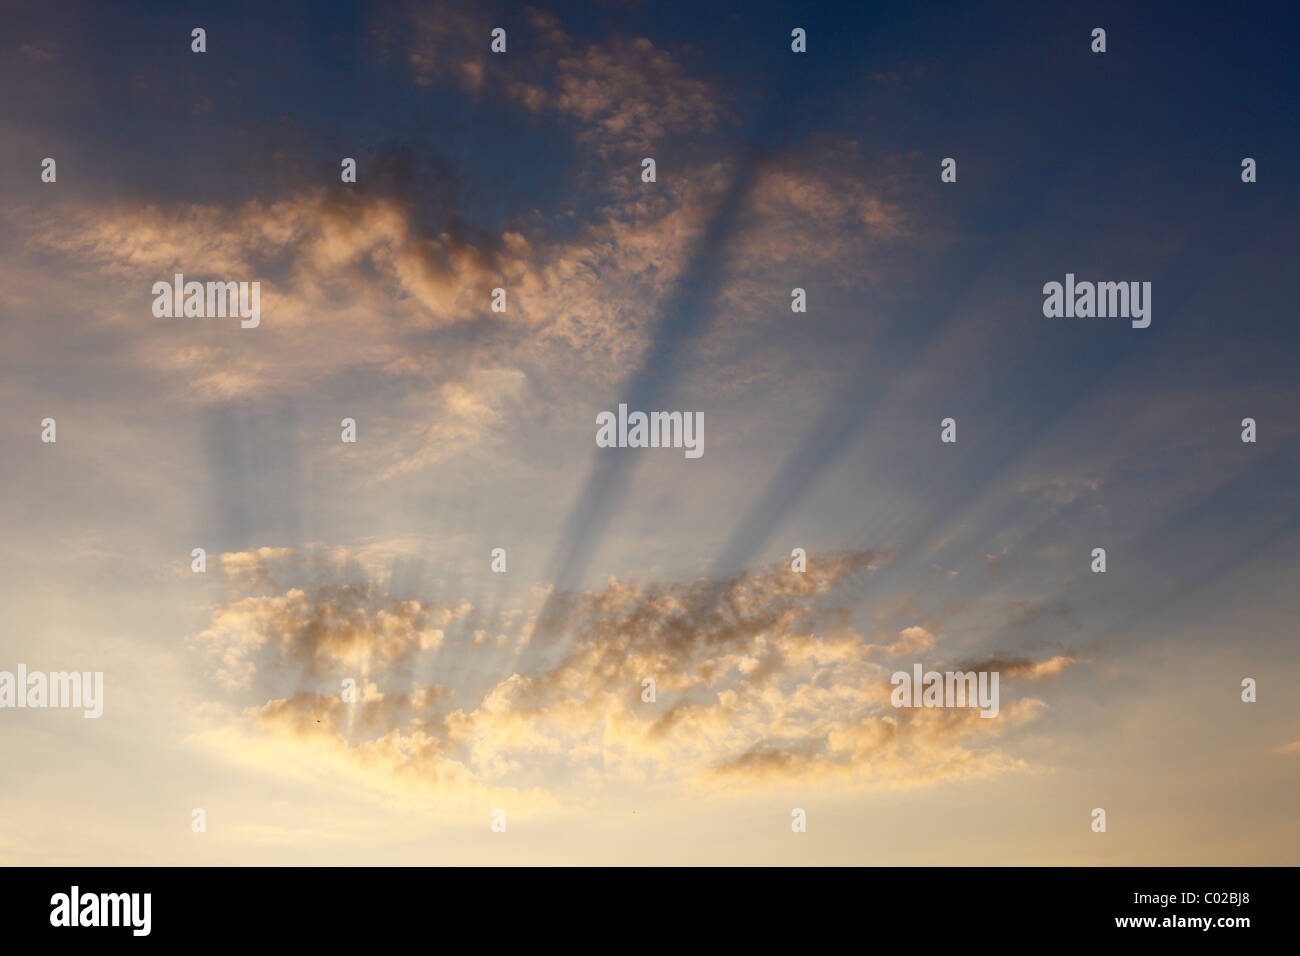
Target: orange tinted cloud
(759, 679)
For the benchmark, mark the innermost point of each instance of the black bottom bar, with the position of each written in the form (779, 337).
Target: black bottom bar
(659, 907)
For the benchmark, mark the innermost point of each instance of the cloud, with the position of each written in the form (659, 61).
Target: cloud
(376, 284)
(330, 240)
(324, 629)
(911, 641)
(633, 95)
(1023, 669)
(760, 679)
(358, 281)
(624, 93)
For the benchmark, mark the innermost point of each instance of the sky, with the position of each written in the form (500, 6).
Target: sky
(516, 695)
